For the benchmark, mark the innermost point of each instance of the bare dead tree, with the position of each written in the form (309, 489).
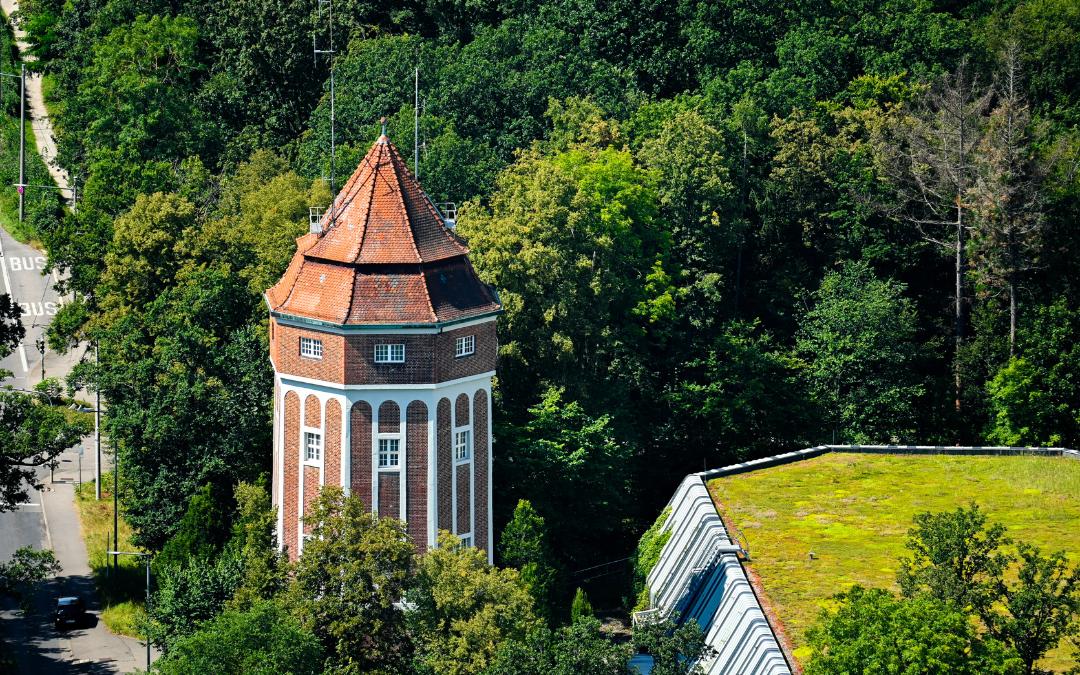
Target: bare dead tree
(1007, 196)
(927, 153)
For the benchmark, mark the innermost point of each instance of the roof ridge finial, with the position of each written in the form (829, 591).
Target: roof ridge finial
(382, 121)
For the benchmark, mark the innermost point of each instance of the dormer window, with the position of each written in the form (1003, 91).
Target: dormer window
(465, 346)
(310, 348)
(389, 353)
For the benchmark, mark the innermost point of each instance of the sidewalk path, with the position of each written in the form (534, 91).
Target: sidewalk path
(38, 115)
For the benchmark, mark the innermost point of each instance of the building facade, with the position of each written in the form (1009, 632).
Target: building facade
(383, 343)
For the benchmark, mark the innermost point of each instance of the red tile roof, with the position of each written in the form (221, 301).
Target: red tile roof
(384, 256)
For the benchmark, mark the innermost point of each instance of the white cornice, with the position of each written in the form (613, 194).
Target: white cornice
(403, 329)
(334, 386)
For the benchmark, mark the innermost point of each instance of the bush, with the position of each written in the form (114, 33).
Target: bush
(647, 555)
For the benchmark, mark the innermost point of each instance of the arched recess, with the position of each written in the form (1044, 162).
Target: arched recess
(389, 418)
(332, 442)
(291, 480)
(312, 412)
(360, 448)
(445, 465)
(461, 410)
(480, 460)
(416, 471)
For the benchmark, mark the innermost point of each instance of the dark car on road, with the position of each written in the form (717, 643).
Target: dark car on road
(70, 611)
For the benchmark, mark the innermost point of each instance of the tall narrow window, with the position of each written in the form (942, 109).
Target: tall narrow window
(462, 445)
(388, 453)
(312, 446)
(310, 348)
(465, 346)
(389, 353)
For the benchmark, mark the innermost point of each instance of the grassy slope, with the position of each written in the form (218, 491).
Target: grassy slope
(36, 171)
(853, 511)
(122, 598)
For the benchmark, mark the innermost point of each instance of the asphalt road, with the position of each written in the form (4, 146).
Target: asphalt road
(50, 521)
(22, 276)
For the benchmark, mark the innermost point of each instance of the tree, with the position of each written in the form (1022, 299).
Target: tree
(676, 649)
(200, 534)
(1008, 202)
(262, 640)
(264, 567)
(578, 649)
(32, 434)
(958, 560)
(27, 568)
(568, 462)
(188, 595)
(873, 632)
(524, 545)
(858, 344)
(580, 608)
(11, 328)
(929, 157)
(955, 557)
(354, 570)
(1040, 609)
(1033, 398)
(464, 610)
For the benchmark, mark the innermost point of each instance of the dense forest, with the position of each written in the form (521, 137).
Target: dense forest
(719, 229)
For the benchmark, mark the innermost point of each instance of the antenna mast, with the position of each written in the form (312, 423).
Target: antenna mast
(416, 124)
(333, 140)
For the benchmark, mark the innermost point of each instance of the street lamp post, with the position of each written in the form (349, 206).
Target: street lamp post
(146, 557)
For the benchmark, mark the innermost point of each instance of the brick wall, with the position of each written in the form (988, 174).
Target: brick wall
(351, 359)
(480, 458)
(450, 367)
(464, 501)
(416, 456)
(389, 495)
(287, 359)
(360, 447)
(332, 443)
(311, 492)
(290, 493)
(445, 461)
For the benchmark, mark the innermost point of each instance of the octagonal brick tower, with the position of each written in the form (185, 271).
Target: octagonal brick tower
(383, 344)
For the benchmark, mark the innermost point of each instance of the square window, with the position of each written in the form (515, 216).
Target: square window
(311, 348)
(465, 346)
(466, 540)
(462, 444)
(389, 353)
(312, 446)
(388, 453)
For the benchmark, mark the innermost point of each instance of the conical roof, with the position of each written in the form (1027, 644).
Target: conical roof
(384, 256)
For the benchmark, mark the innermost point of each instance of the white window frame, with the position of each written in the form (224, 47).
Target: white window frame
(389, 438)
(390, 352)
(304, 445)
(311, 348)
(464, 346)
(462, 457)
(466, 540)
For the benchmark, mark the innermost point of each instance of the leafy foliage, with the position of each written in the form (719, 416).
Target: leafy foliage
(32, 434)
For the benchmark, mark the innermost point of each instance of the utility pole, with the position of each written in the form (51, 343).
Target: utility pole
(146, 558)
(22, 145)
(97, 432)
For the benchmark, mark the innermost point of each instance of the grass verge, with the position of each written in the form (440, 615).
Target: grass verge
(853, 512)
(123, 590)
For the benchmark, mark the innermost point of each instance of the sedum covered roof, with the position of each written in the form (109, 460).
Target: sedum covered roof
(384, 256)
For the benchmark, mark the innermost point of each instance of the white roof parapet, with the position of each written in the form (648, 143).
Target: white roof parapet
(699, 575)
